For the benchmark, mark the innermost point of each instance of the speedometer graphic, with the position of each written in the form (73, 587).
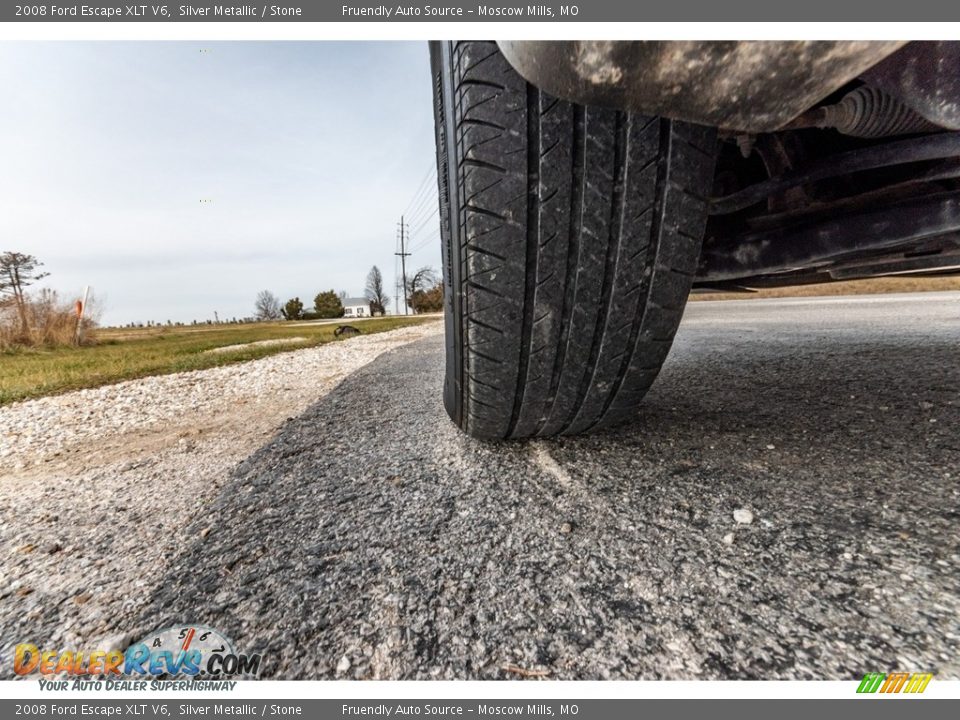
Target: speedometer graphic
(189, 650)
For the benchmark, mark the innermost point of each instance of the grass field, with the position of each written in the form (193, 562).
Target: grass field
(123, 354)
(849, 287)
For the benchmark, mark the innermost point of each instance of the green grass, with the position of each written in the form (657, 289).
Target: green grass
(123, 354)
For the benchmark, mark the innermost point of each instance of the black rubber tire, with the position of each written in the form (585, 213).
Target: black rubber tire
(570, 238)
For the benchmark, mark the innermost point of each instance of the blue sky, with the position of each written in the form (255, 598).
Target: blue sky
(307, 152)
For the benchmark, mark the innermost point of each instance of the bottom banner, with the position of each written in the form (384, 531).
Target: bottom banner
(874, 709)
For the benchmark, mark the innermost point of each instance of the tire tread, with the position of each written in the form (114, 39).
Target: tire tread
(579, 232)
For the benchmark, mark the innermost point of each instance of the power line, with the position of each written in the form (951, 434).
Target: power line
(426, 228)
(425, 193)
(419, 212)
(427, 206)
(426, 241)
(423, 185)
(424, 217)
(429, 224)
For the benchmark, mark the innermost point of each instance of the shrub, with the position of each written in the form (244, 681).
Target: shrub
(293, 310)
(425, 301)
(327, 305)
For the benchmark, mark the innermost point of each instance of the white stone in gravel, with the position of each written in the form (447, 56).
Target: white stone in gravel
(257, 344)
(743, 516)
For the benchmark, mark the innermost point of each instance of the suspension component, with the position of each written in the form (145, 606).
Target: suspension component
(867, 112)
(898, 152)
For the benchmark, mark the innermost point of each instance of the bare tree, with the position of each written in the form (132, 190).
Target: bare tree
(17, 272)
(422, 280)
(375, 291)
(267, 306)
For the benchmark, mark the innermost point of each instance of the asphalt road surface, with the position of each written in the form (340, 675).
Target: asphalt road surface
(785, 506)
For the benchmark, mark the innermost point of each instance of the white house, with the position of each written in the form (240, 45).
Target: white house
(356, 307)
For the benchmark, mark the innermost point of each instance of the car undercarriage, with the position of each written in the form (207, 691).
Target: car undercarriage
(838, 160)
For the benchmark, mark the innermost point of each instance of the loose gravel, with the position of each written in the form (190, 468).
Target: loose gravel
(82, 426)
(96, 486)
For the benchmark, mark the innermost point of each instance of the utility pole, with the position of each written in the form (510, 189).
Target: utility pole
(403, 264)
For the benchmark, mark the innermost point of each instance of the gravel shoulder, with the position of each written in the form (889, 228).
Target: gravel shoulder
(97, 486)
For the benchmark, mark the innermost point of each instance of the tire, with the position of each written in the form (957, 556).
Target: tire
(570, 239)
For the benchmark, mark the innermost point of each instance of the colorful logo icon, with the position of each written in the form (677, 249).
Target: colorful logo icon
(186, 650)
(895, 682)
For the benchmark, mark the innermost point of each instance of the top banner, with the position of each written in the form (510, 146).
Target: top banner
(472, 11)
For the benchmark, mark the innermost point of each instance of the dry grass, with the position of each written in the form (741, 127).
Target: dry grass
(51, 322)
(849, 287)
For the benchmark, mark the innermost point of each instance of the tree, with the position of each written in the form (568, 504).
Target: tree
(293, 309)
(328, 305)
(267, 306)
(17, 272)
(375, 292)
(421, 281)
(430, 300)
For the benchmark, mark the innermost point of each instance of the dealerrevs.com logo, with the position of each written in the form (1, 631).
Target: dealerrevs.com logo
(189, 651)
